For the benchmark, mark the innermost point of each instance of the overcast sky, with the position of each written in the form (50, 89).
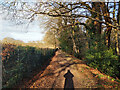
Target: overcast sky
(34, 32)
(21, 32)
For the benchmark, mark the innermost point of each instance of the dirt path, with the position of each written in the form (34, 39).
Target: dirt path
(67, 71)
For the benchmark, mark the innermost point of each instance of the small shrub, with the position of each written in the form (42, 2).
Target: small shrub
(104, 60)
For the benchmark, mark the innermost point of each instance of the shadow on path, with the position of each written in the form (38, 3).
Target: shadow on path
(33, 76)
(69, 80)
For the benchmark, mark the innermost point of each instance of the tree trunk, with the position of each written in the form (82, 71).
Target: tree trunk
(74, 44)
(97, 25)
(116, 43)
(118, 15)
(106, 14)
(55, 39)
(116, 32)
(118, 21)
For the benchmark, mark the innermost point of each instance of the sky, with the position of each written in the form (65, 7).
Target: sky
(8, 28)
(21, 32)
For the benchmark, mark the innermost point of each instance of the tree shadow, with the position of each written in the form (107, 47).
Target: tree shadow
(68, 80)
(62, 67)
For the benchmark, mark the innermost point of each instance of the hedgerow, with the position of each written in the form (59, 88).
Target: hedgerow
(19, 61)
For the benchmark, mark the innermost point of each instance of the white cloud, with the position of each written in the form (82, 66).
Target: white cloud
(21, 32)
(30, 36)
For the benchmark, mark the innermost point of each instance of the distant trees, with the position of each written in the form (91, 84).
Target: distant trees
(12, 41)
(50, 39)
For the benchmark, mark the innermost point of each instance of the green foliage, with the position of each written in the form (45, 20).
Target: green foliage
(22, 61)
(98, 56)
(65, 42)
(69, 38)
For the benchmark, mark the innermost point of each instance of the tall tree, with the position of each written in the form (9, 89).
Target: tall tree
(106, 15)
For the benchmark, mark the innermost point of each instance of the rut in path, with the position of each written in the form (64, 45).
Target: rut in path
(66, 71)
